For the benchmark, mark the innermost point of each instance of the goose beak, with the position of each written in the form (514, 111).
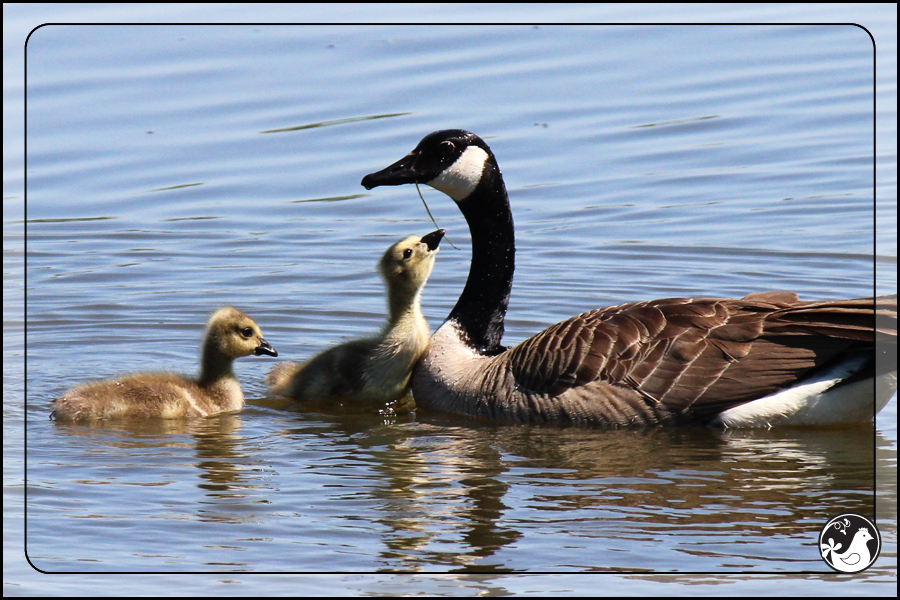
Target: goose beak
(433, 239)
(264, 348)
(402, 171)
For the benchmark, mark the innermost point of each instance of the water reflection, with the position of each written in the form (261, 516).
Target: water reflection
(434, 493)
(459, 497)
(443, 501)
(216, 450)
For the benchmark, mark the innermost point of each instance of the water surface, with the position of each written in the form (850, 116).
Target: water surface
(175, 169)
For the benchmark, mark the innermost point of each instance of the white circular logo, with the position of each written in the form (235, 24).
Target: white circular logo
(849, 543)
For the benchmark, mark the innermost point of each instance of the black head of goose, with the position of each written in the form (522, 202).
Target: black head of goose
(230, 334)
(763, 360)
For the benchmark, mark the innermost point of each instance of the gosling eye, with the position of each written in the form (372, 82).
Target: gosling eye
(407, 253)
(247, 332)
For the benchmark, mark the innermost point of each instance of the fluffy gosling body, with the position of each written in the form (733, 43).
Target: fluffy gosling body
(230, 334)
(374, 369)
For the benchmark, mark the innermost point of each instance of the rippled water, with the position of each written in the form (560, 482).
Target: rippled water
(175, 169)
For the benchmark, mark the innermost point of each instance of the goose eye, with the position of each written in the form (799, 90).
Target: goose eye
(246, 332)
(447, 147)
(407, 253)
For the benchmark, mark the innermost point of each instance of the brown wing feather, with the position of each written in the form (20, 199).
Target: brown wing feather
(699, 355)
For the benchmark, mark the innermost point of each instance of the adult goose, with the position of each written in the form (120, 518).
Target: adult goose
(763, 360)
(374, 369)
(230, 334)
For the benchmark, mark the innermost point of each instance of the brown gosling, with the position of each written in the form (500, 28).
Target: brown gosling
(375, 369)
(230, 334)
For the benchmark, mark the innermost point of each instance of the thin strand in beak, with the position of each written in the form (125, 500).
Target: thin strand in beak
(432, 218)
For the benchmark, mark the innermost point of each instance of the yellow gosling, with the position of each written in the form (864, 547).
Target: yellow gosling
(373, 369)
(230, 334)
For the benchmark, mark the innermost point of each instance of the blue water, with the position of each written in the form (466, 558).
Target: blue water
(175, 169)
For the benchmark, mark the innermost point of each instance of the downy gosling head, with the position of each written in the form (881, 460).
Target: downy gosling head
(230, 334)
(374, 369)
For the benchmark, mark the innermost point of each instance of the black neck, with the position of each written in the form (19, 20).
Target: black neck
(482, 306)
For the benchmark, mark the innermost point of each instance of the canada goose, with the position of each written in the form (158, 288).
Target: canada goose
(374, 369)
(762, 360)
(230, 334)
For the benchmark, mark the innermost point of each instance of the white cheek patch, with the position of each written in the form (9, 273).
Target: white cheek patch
(461, 178)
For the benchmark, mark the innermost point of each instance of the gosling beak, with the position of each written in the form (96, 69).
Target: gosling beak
(433, 239)
(264, 348)
(402, 171)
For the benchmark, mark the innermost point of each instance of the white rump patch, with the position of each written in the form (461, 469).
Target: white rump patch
(816, 402)
(461, 178)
